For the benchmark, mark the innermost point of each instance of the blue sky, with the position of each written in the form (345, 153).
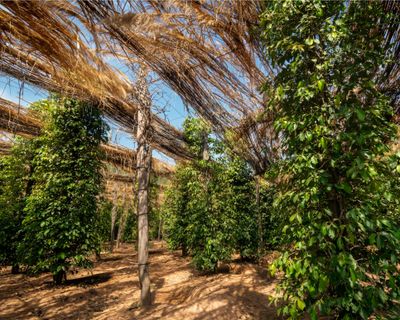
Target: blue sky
(173, 108)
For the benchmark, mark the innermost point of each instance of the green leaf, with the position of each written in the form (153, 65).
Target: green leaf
(321, 84)
(345, 187)
(360, 114)
(300, 304)
(309, 41)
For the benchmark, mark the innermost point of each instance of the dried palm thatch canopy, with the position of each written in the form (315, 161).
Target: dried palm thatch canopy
(40, 44)
(19, 121)
(204, 50)
(126, 159)
(206, 53)
(15, 120)
(5, 147)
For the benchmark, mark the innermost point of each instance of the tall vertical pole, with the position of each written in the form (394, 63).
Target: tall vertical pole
(259, 216)
(113, 218)
(143, 166)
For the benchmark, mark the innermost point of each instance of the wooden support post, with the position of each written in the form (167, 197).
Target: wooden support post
(122, 220)
(259, 216)
(143, 164)
(113, 218)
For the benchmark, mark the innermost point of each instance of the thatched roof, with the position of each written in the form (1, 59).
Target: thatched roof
(126, 159)
(204, 50)
(5, 147)
(42, 45)
(19, 121)
(16, 120)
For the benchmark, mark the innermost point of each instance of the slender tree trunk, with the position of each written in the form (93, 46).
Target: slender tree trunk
(113, 218)
(160, 223)
(15, 269)
(122, 222)
(143, 166)
(259, 216)
(59, 277)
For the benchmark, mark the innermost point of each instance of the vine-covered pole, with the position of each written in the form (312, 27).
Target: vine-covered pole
(143, 163)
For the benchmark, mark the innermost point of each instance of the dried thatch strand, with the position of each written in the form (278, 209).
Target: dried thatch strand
(5, 147)
(120, 177)
(126, 159)
(117, 186)
(19, 121)
(204, 50)
(41, 45)
(16, 120)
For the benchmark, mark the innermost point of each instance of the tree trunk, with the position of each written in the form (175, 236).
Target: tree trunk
(59, 277)
(113, 218)
(15, 269)
(259, 216)
(143, 164)
(122, 222)
(160, 224)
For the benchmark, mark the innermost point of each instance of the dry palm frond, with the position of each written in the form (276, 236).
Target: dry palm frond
(126, 158)
(204, 51)
(120, 177)
(118, 190)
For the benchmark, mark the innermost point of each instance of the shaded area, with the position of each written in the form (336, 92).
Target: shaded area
(110, 289)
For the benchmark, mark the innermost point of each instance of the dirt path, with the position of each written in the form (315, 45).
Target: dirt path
(108, 291)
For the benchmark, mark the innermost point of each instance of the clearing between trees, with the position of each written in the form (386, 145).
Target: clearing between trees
(110, 289)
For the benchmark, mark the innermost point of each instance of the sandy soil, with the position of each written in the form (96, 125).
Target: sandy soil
(110, 289)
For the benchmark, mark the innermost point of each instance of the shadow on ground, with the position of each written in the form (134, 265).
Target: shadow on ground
(110, 289)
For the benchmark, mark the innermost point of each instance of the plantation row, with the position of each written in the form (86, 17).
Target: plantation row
(326, 197)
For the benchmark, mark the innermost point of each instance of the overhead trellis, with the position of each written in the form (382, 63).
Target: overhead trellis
(5, 147)
(40, 44)
(204, 50)
(13, 119)
(18, 121)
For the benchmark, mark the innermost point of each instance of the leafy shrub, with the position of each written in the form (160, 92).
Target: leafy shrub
(15, 185)
(61, 212)
(209, 208)
(338, 189)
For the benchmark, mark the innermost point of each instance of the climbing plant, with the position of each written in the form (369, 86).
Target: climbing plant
(338, 186)
(60, 214)
(15, 186)
(209, 207)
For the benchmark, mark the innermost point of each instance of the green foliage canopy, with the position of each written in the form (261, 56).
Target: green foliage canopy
(209, 207)
(60, 214)
(15, 186)
(338, 188)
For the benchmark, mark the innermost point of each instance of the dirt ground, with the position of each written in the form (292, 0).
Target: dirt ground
(110, 289)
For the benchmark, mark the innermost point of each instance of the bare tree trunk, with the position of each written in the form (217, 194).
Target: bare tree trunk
(160, 223)
(113, 218)
(143, 164)
(122, 221)
(121, 229)
(259, 216)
